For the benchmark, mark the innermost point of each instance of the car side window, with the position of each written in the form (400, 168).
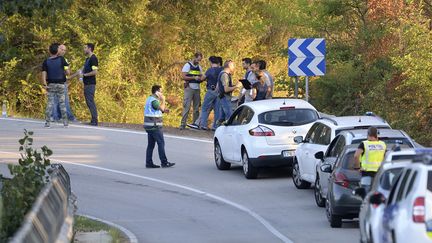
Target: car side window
(331, 147)
(394, 190)
(402, 185)
(324, 136)
(316, 134)
(245, 115)
(339, 147)
(311, 131)
(234, 119)
(410, 184)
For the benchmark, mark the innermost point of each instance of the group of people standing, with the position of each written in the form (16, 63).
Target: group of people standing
(220, 86)
(55, 75)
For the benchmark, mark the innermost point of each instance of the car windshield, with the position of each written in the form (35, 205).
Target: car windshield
(403, 142)
(289, 117)
(388, 178)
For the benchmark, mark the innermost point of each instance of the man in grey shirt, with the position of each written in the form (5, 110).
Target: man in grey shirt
(263, 66)
(191, 74)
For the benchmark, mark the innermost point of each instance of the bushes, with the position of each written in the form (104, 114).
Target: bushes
(20, 192)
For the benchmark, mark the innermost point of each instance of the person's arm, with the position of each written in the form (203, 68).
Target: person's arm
(94, 63)
(44, 77)
(254, 93)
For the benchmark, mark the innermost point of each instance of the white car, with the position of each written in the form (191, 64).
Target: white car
(407, 215)
(318, 139)
(370, 214)
(260, 134)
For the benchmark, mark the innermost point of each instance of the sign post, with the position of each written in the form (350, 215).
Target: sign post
(306, 58)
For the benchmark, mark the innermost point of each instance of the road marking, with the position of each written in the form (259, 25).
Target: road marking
(130, 235)
(110, 130)
(240, 207)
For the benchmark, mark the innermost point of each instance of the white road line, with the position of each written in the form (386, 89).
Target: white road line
(110, 130)
(240, 207)
(130, 235)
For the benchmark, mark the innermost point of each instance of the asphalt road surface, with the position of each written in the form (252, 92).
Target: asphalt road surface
(191, 202)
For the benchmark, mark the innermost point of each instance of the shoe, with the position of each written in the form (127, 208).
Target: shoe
(93, 124)
(152, 166)
(213, 129)
(65, 125)
(204, 128)
(47, 125)
(182, 127)
(167, 164)
(194, 126)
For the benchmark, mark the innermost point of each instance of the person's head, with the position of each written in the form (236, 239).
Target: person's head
(262, 65)
(61, 50)
(372, 133)
(246, 63)
(229, 66)
(214, 61)
(53, 48)
(255, 67)
(197, 58)
(156, 88)
(220, 60)
(89, 48)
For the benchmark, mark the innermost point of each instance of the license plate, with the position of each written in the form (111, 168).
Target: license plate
(288, 153)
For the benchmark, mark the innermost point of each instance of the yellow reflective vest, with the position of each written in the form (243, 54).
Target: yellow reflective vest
(373, 155)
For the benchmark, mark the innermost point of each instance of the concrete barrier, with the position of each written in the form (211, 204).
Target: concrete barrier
(51, 218)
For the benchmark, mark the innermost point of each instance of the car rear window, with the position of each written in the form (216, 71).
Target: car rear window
(288, 117)
(348, 161)
(388, 178)
(390, 141)
(429, 181)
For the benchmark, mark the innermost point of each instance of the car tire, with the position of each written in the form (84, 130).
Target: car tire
(250, 171)
(335, 220)
(320, 201)
(221, 164)
(298, 182)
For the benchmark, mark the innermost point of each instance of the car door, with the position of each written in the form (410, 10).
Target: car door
(333, 153)
(227, 144)
(302, 153)
(322, 140)
(240, 131)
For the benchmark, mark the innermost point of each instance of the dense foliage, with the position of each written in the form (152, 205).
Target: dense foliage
(379, 51)
(28, 178)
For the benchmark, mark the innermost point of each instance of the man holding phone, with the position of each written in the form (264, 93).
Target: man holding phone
(153, 112)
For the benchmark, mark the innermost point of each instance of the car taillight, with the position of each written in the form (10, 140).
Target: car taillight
(419, 210)
(261, 131)
(341, 180)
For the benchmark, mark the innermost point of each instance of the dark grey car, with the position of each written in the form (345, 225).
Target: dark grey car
(340, 201)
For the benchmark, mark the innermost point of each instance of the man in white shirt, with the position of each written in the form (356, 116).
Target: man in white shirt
(192, 76)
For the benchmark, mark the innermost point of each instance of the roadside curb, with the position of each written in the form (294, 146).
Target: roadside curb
(131, 236)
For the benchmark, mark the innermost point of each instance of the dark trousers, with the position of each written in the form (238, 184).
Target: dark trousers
(89, 93)
(155, 136)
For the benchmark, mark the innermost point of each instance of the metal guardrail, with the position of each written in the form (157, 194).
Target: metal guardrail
(51, 218)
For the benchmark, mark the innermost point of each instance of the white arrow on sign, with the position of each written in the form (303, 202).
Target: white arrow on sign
(295, 48)
(294, 66)
(313, 66)
(312, 47)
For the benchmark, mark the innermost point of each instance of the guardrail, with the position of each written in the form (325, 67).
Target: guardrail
(51, 218)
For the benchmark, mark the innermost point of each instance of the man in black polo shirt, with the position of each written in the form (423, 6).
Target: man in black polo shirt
(89, 78)
(54, 71)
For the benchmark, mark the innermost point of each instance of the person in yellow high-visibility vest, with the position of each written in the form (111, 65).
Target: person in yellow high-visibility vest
(369, 156)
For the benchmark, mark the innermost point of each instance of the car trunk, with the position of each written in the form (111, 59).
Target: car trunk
(285, 135)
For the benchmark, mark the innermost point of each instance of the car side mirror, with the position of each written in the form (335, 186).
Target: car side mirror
(298, 139)
(319, 155)
(377, 199)
(326, 168)
(360, 191)
(225, 123)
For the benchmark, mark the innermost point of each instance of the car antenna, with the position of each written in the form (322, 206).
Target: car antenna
(359, 118)
(284, 102)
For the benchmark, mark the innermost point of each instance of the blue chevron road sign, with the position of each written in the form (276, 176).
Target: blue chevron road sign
(306, 57)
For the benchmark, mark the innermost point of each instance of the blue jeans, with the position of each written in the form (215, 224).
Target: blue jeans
(56, 114)
(225, 109)
(209, 103)
(155, 136)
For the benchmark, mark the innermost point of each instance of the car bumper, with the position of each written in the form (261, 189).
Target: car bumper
(271, 161)
(345, 203)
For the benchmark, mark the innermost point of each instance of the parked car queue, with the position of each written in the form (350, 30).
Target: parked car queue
(320, 149)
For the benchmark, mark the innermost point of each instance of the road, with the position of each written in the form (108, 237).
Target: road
(191, 202)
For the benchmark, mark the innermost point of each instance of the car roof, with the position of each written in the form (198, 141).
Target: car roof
(276, 104)
(382, 132)
(353, 121)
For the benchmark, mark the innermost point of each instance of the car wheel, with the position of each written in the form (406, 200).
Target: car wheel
(249, 170)
(335, 220)
(320, 201)
(298, 182)
(221, 164)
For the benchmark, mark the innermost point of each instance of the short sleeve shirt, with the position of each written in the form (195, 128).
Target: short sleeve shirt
(225, 78)
(186, 68)
(90, 65)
